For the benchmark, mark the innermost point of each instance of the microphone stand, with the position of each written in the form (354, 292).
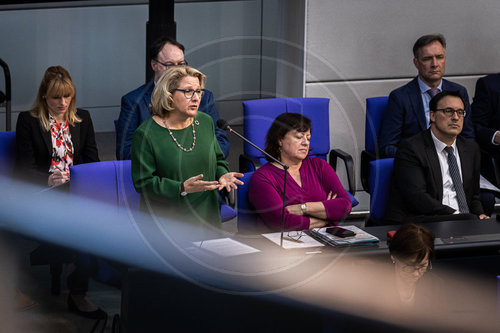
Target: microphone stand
(284, 166)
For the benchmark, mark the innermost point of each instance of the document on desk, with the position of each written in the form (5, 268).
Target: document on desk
(225, 247)
(361, 237)
(293, 243)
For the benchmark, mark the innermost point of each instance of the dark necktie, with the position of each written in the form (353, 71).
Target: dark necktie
(433, 92)
(457, 182)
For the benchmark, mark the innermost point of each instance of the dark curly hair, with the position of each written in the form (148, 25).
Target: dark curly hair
(283, 124)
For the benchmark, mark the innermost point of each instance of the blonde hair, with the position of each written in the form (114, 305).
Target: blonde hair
(161, 99)
(56, 83)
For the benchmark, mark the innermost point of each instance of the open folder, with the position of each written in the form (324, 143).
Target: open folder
(361, 237)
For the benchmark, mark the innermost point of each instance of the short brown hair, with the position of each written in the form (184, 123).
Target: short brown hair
(426, 40)
(161, 99)
(412, 241)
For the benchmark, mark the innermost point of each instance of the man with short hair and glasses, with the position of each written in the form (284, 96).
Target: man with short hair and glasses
(165, 53)
(436, 172)
(407, 111)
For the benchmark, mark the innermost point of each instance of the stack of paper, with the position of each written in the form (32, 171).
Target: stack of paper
(361, 237)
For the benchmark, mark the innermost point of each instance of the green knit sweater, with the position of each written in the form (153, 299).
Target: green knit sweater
(159, 166)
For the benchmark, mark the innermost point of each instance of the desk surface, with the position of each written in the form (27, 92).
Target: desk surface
(96, 228)
(167, 247)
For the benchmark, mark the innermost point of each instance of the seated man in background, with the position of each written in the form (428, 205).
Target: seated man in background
(135, 106)
(486, 118)
(436, 172)
(407, 111)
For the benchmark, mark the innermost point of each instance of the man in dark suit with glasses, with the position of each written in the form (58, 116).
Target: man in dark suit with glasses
(436, 172)
(165, 53)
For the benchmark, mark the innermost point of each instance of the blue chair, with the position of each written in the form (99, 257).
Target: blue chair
(380, 183)
(247, 218)
(259, 115)
(375, 107)
(111, 182)
(7, 153)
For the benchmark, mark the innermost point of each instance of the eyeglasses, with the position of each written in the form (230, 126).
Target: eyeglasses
(171, 64)
(422, 268)
(294, 236)
(449, 112)
(189, 93)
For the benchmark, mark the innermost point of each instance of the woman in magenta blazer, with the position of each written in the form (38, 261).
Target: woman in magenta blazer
(314, 195)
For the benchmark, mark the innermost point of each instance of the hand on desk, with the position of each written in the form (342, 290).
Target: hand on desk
(58, 178)
(483, 217)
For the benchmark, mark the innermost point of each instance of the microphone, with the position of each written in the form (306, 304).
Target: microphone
(224, 125)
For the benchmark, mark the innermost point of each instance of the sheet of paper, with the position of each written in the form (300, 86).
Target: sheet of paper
(303, 242)
(484, 184)
(225, 247)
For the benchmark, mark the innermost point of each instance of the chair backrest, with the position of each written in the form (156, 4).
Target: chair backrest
(247, 218)
(107, 181)
(7, 153)
(260, 113)
(380, 183)
(375, 107)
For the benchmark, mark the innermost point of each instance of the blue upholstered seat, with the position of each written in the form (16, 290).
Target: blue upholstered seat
(380, 183)
(375, 107)
(247, 218)
(259, 115)
(111, 182)
(7, 153)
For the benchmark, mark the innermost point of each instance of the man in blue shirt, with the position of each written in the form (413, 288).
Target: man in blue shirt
(407, 111)
(165, 53)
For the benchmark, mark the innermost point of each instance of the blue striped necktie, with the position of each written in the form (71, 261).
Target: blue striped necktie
(457, 182)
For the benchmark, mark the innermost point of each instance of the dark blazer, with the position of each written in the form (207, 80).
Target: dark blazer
(34, 145)
(404, 116)
(135, 109)
(486, 111)
(417, 183)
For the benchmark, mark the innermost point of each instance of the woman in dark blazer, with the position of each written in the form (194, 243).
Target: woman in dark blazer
(54, 134)
(50, 138)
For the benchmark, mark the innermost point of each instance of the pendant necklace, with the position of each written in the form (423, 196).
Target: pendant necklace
(175, 140)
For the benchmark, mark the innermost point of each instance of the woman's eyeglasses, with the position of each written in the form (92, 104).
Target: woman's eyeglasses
(189, 93)
(421, 268)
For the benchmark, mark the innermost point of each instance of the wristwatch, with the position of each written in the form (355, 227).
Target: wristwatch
(303, 208)
(183, 190)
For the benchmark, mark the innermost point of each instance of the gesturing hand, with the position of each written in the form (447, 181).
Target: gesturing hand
(195, 184)
(230, 180)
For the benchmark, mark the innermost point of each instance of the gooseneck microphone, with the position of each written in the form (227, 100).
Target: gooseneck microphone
(222, 124)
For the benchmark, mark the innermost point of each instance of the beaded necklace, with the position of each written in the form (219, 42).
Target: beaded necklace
(175, 140)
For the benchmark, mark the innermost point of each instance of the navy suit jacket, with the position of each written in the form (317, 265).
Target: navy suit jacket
(417, 182)
(404, 116)
(34, 146)
(135, 109)
(486, 111)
